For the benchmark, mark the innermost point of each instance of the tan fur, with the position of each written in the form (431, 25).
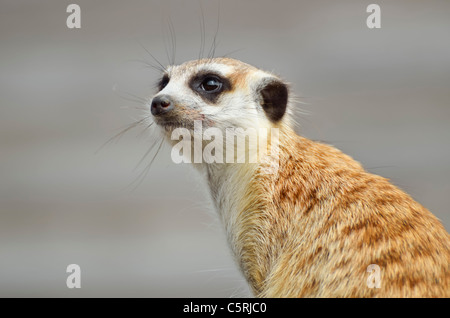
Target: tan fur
(313, 229)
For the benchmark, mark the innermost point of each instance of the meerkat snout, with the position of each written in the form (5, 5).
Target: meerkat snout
(315, 224)
(161, 105)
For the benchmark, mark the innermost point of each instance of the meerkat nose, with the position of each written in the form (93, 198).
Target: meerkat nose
(161, 105)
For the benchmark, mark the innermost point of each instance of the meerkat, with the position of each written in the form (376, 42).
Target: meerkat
(312, 228)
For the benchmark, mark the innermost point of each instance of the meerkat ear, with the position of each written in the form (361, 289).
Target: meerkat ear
(274, 98)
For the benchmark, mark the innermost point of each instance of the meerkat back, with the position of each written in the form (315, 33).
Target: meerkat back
(318, 225)
(332, 224)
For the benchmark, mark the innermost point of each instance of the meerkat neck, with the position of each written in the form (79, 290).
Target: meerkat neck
(228, 181)
(239, 198)
(227, 184)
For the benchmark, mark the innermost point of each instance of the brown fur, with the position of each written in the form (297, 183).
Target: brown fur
(313, 229)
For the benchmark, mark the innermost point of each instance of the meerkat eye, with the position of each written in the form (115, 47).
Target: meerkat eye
(211, 84)
(163, 82)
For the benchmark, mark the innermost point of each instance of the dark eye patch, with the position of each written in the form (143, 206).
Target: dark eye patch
(163, 82)
(209, 86)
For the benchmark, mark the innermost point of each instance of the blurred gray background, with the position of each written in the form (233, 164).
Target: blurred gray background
(381, 95)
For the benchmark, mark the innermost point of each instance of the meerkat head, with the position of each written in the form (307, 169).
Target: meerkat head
(221, 93)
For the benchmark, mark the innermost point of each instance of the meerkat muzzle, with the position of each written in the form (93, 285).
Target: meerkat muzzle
(161, 105)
